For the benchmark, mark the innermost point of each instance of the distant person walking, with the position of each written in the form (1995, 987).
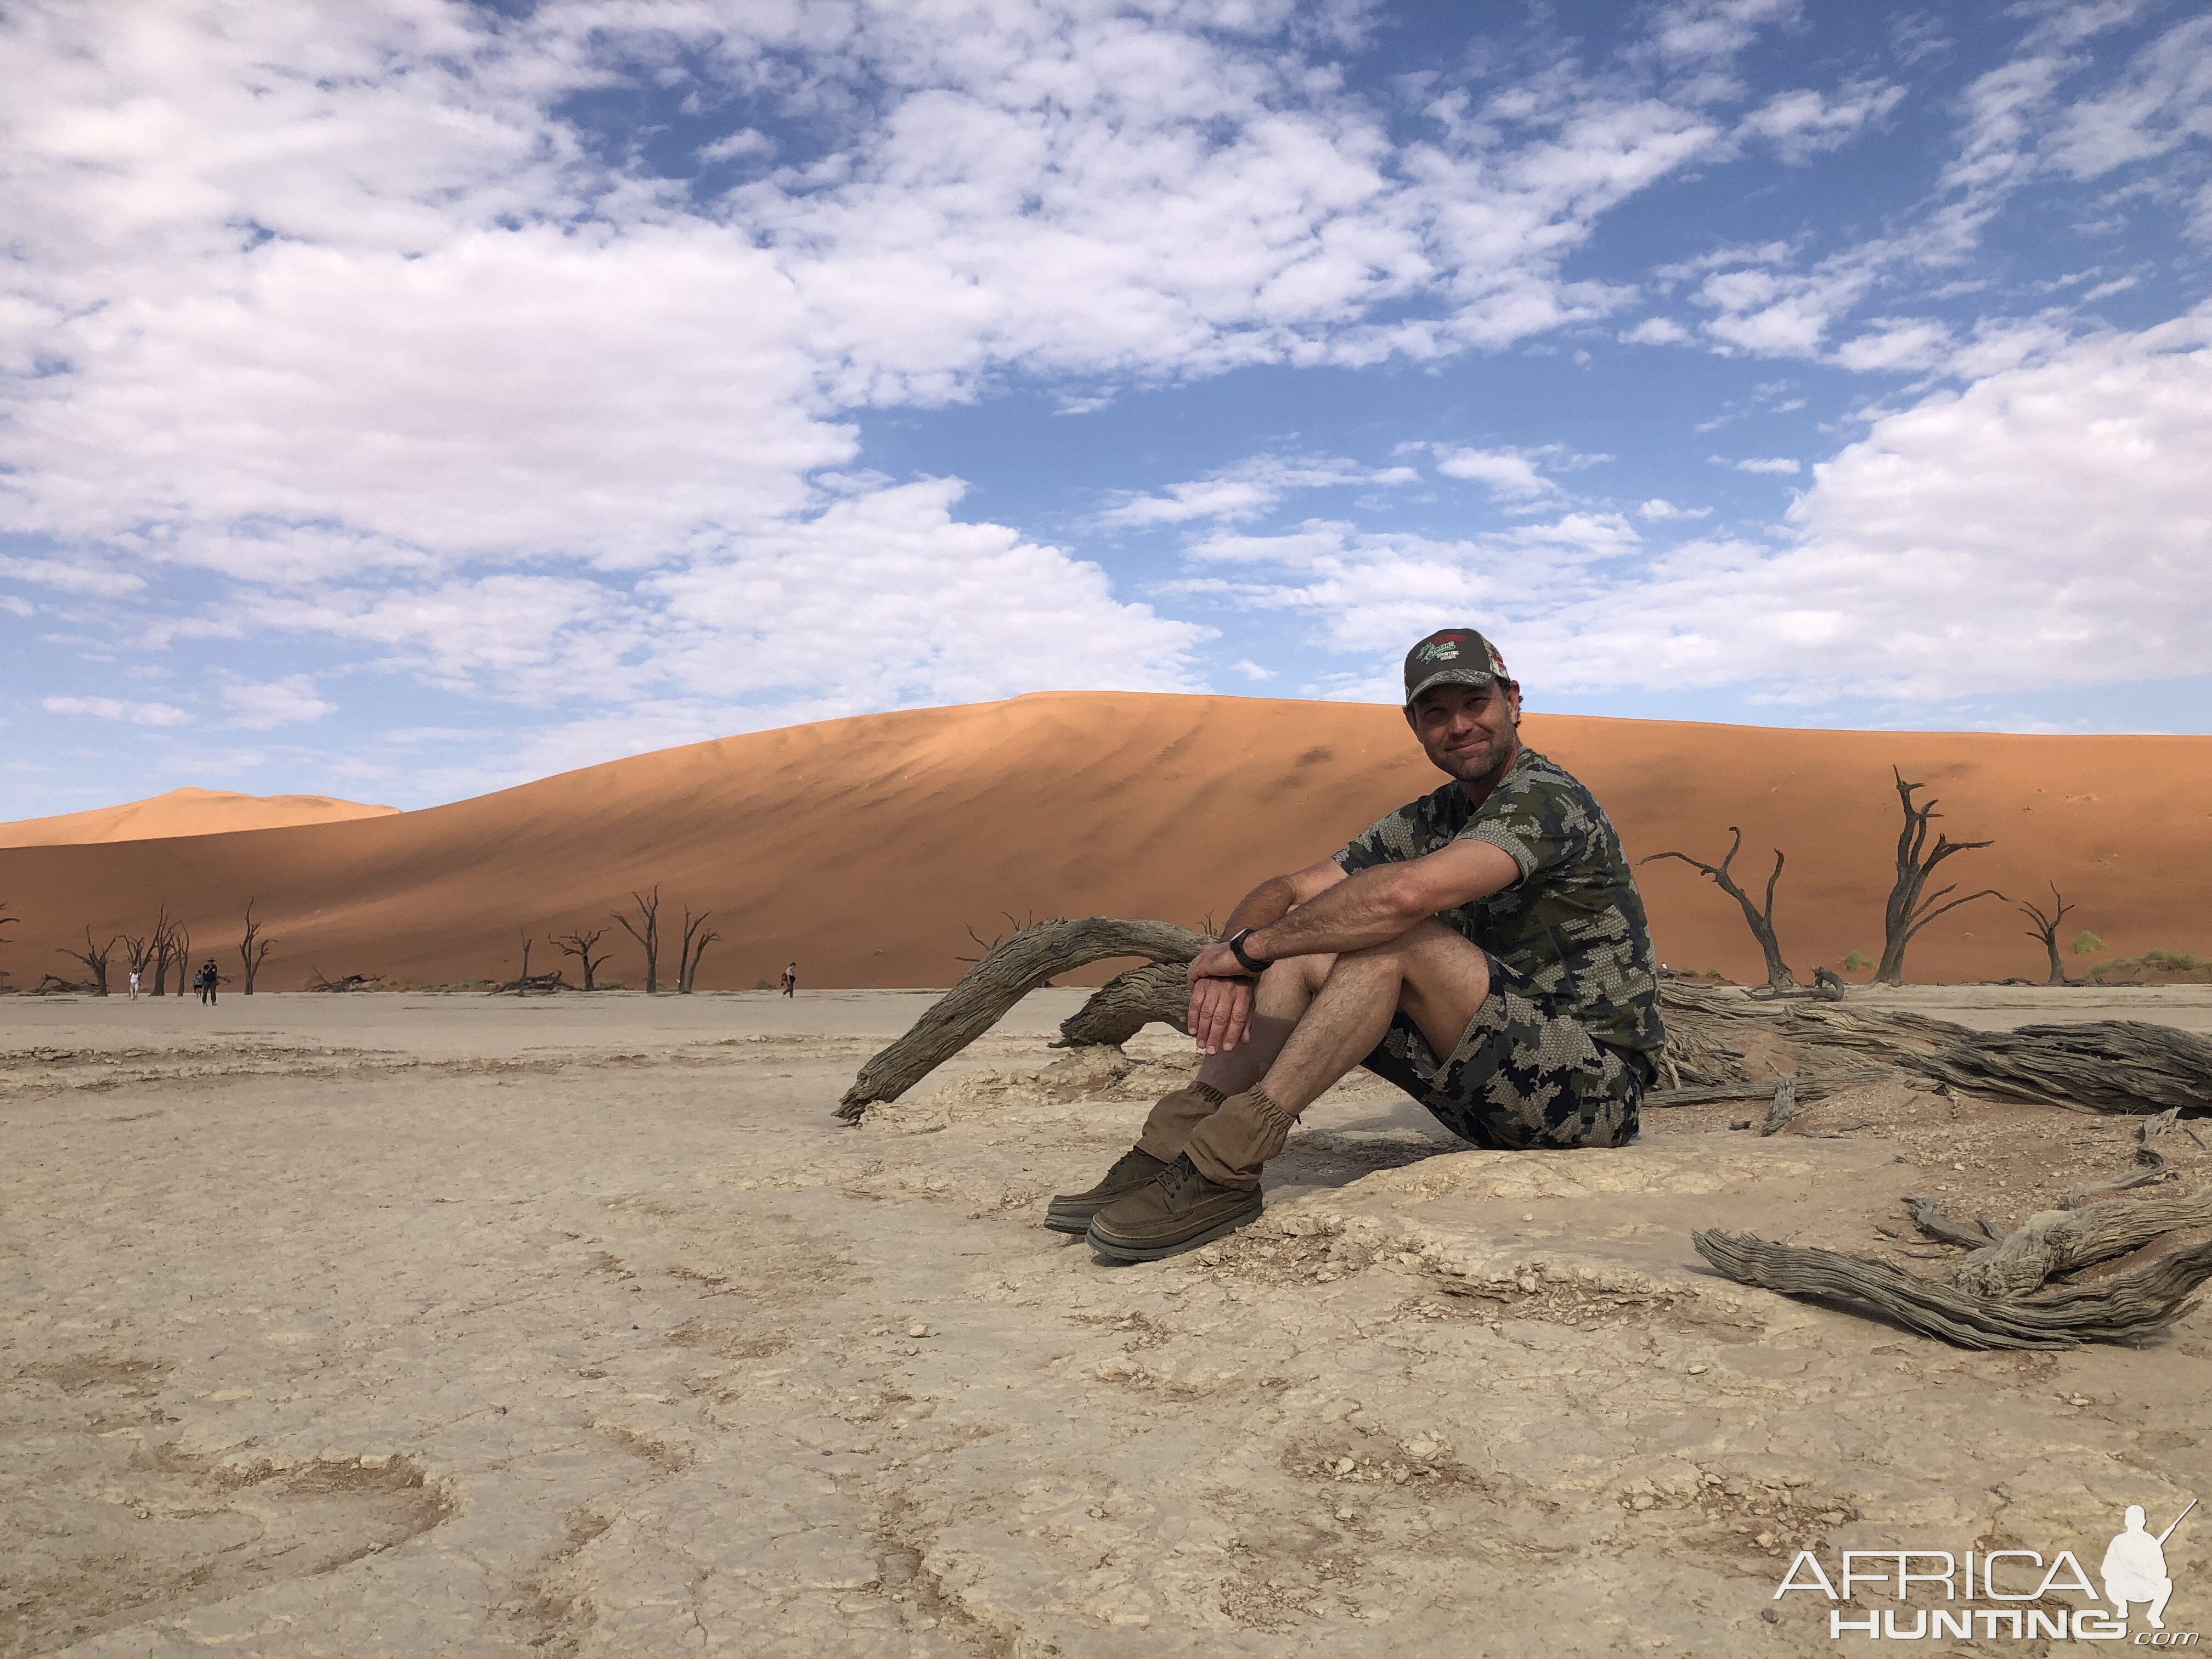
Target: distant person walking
(791, 979)
(205, 981)
(134, 985)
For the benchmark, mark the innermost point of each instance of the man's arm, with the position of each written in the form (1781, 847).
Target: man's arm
(1320, 910)
(1221, 998)
(1378, 905)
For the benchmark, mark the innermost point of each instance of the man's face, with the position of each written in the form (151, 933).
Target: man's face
(1468, 731)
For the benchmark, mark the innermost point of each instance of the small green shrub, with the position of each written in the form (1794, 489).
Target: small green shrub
(2087, 944)
(1856, 962)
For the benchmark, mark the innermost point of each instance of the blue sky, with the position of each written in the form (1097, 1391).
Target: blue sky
(404, 400)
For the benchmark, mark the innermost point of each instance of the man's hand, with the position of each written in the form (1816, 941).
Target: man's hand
(1220, 999)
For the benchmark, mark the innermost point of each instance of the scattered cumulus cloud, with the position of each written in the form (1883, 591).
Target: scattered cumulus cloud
(1774, 463)
(111, 708)
(1247, 489)
(1510, 474)
(265, 706)
(1661, 510)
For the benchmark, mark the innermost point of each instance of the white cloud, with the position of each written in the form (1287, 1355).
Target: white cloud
(78, 576)
(1660, 509)
(1247, 489)
(1510, 474)
(1252, 671)
(263, 706)
(341, 315)
(2164, 100)
(1897, 343)
(2049, 524)
(1803, 124)
(1779, 313)
(109, 709)
(1655, 331)
(1775, 464)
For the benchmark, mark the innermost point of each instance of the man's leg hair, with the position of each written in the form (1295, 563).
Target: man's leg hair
(1279, 1000)
(1432, 971)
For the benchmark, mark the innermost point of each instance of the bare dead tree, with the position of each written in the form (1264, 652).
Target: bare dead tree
(6, 920)
(252, 948)
(578, 944)
(172, 945)
(1759, 918)
(1907, 912)
(522, 982)
(94, 958)
(2046, 929)
(647, 932)
(693, 948)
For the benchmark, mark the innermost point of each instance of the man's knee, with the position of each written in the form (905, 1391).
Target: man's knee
(1307, 974)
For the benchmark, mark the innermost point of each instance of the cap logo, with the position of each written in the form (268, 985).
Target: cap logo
(1439, 651)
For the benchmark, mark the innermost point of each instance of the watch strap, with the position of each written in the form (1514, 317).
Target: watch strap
(1236, 943)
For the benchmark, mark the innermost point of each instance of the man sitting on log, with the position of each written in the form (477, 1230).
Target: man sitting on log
(1483, 948)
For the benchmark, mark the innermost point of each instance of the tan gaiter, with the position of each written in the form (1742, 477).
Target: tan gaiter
(1230, 1146)
(1179, 1112)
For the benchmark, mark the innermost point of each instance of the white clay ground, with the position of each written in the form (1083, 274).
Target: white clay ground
(434, 1326)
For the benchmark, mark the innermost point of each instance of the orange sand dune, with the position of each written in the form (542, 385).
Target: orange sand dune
(867, 848)
(184, 812)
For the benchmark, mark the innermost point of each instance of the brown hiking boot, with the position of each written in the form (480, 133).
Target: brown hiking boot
(1071, 1212)
(1179, 1212)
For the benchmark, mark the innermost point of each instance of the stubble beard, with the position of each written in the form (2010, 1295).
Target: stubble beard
(1483, 766)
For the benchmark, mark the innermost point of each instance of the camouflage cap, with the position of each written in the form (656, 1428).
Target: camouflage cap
(1452, 656)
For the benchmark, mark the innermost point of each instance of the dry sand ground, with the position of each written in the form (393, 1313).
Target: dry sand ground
(424, 1326)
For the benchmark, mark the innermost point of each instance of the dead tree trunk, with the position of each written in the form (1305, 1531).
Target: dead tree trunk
(1760, 919)
(252, 948)
(647, 932)
(2129, 1305)
(1010, 971)
(183, 936)
(94, 958)
(522, 980)
(578, 944)
(2046, 929)
(1907, 912)
(691, 950)
(162, 945)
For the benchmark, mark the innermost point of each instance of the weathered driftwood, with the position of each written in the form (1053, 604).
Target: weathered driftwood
(1811, 1086)
(351, 983)
(1936, 1225)
(2115, 1065)
(1009, 970)
(2054, 1242)
(548, 983)
(2138, 1302)
(1128, 1003)
(1783, 1108)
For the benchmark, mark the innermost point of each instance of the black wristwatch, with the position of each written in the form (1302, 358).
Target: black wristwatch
(1236, 943)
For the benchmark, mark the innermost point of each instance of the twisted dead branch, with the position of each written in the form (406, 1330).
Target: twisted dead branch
(1008, 971)
(2127, 1305)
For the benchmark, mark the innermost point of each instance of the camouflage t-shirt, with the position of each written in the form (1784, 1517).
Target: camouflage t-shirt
(1574, 923)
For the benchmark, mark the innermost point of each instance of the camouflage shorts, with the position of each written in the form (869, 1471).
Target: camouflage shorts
(1521, 1077)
